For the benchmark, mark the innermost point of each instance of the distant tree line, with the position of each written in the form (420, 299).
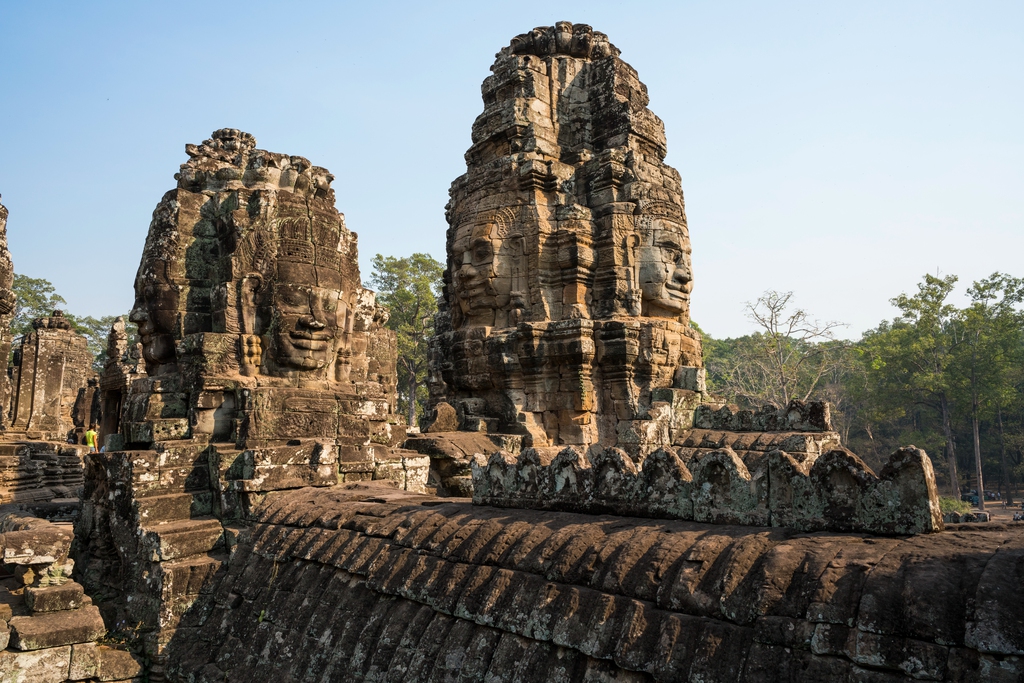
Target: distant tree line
(409, 287)
(948, 379)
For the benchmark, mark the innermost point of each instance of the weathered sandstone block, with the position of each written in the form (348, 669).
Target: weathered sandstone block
(54, 629)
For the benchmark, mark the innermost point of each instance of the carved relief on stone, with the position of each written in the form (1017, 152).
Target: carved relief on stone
(270, 367)
(664, 274)
(488, 272)
(249, 289)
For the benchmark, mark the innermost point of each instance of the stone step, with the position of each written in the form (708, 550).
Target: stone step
(67, 596)
(179, 539)
(90, 661)
(53, 629)
(163, 508)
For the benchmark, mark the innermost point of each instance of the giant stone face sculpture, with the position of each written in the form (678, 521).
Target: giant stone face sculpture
(267, 367)
(569, 277)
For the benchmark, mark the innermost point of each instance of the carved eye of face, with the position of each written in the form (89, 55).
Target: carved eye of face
(293, 296)
(481, 251)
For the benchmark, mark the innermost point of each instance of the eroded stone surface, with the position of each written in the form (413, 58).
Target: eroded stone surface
(54, 629)
(50, 365)
(374, 583)
(90, 661)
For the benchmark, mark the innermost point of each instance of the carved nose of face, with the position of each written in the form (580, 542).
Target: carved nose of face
(312, 323)
(467, 270)
(682, 275)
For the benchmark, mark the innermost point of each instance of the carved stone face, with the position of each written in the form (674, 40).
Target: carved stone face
(156, 313)
(305, 299)
(475, 277)
(666, 278)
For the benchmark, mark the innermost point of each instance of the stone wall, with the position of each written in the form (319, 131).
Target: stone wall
(371, 584)
(835, 491)
(40, 471)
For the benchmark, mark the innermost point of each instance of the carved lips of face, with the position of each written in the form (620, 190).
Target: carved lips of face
(666, 278)
(156, 313)
(473, 279)
(307, 322)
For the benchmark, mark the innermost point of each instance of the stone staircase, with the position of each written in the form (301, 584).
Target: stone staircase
(48, 625)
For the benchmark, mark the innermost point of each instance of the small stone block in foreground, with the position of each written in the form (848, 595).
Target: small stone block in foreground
(90, 661)
(54, 629)
(68, 596)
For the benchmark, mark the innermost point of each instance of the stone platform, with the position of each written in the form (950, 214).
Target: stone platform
(369, 583)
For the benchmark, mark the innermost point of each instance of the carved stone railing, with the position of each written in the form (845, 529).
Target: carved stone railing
(835, 491)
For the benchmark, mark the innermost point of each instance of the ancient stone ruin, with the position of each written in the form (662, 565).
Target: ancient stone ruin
(566, 298)
(267, 367)
(7, 302)
(122, 367)
(259, 513)
(371, 584)
(50, 365)
(565, 326)
(47, 622)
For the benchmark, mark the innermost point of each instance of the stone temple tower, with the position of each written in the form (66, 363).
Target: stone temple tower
(566, 300)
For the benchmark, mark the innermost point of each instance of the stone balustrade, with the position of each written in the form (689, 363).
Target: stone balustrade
(835, 491)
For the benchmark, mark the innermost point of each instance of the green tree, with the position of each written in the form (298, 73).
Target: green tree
(409, 287)
(910, 358)
(35, 298)
(988, 355)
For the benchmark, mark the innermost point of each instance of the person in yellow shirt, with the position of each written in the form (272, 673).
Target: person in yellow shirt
(91, 437)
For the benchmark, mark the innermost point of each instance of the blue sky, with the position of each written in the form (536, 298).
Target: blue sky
(838, 150)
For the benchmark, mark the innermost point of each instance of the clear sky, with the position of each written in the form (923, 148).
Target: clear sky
(838, 150)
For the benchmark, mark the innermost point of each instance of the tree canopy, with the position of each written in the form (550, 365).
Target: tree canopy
(409, 287)
(947, 378)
